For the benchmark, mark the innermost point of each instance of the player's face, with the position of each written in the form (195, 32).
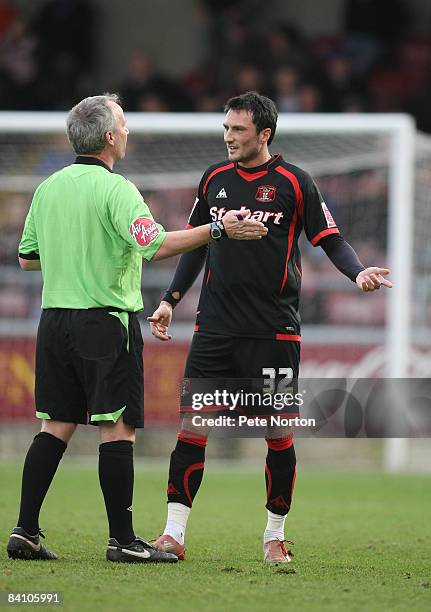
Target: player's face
(120, 132)
(243, 143)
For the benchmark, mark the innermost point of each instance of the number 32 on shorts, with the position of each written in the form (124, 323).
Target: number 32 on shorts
(270, 375)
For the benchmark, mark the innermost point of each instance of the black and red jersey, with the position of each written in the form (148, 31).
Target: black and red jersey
(252, 288)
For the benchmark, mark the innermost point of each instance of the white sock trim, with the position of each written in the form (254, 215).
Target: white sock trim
(176, 523)
(274, 527)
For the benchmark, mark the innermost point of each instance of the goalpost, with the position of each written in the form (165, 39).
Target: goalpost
(170, 151)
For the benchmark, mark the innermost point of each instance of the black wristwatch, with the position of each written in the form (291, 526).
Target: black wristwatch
(217, 230)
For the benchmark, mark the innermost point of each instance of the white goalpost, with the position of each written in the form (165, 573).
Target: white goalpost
(170, 152)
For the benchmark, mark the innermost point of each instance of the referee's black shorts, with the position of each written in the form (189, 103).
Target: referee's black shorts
(89, 366)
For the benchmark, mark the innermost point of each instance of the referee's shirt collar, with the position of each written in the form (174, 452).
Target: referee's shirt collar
(91, 161)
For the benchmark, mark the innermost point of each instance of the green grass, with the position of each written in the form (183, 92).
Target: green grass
(362, 543)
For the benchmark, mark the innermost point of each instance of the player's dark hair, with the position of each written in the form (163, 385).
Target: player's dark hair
(262, 109)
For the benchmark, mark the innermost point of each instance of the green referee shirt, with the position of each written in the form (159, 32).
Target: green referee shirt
(90, 228)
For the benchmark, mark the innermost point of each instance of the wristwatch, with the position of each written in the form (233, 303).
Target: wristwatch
(217, 230)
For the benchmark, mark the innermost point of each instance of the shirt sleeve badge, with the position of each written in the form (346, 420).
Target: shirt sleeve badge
(144, 231)
(329, 218)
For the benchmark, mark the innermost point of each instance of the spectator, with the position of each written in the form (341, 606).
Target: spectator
(7, 15)
(143, 80)
(66, 35)
(309, 98)
(286, 94)
(18, 67)
(345, 86)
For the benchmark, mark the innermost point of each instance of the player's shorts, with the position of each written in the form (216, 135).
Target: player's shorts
(89, 366)
(267, 367)
(218, 356)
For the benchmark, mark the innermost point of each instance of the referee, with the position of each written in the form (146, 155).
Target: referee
(87, 230)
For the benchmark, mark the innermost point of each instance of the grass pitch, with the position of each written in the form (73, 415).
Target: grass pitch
(363, 542)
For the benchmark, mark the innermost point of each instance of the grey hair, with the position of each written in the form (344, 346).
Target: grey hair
(88, 122)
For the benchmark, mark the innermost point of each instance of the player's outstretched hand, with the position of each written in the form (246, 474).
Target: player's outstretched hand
(372, 278)
(239, 228)
(160, 321)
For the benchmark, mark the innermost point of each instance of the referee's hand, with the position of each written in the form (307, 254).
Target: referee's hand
(372, 278)
(238, 227)
(160, 321)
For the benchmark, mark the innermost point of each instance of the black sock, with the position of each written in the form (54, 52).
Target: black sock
(40, 465)
(186, 470)
(116, 476)
(280, 473)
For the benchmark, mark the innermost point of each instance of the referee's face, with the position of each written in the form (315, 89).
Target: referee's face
(243, 143)
(120, 132)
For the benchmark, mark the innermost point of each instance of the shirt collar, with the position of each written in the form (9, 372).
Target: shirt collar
(265, 166)
(91, 161)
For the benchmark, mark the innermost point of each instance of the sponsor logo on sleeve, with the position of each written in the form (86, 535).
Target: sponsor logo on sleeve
(144, 231)
(329, 219)
(265, 193)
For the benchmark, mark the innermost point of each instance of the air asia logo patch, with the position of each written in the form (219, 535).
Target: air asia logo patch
(329, 219)
(144, 231)
(265, 193)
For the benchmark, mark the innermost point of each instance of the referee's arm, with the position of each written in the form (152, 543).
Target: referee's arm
(30, 265)
(182, 241)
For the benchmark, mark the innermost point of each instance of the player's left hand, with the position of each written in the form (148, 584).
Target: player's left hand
(372, 278)
(160, 321)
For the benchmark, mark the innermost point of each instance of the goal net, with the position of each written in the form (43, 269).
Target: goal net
(375, 175)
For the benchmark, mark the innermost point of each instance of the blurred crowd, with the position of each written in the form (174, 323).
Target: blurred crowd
(372, 64)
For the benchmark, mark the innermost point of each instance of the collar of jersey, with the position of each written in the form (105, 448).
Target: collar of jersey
(263, 168)
(91, 161)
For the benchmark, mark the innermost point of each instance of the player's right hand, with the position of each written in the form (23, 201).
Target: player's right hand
(160, 321)
(238, 227)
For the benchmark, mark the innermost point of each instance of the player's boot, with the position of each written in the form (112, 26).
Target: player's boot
(139, 551)
(167, 543)
(22, 545)
(275, 552)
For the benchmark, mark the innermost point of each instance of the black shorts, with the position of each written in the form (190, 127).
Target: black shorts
(235, 363)
(217, 356)
(89, 366)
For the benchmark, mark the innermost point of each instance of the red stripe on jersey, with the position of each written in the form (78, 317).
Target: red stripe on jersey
(290, 237)
(188, 226)
(208, 276)
(251, 176)
(296, 187)
(320, 235)
(214, 172)
(291, 337)
(298, 269)
(196, 328)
